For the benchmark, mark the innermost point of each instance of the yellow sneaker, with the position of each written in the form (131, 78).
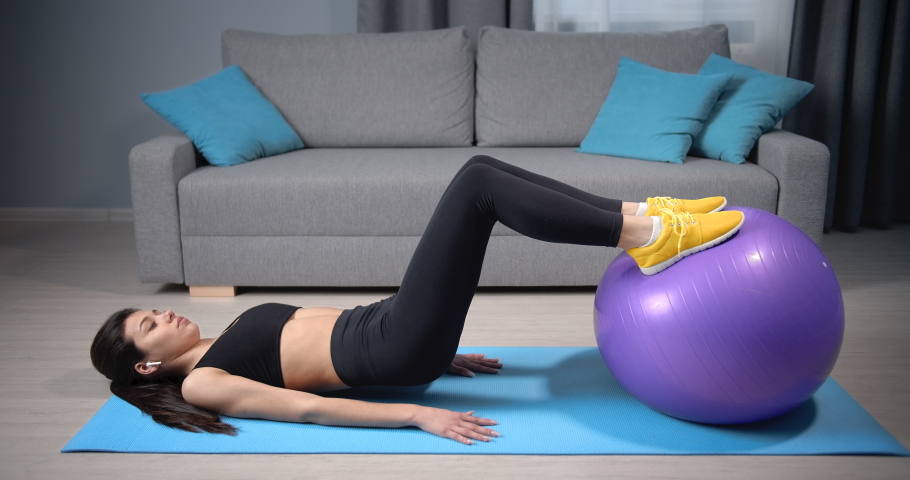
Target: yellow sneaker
(684, 234)
(704, 205)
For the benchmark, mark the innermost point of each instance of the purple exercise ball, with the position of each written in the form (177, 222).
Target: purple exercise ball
(742, 332)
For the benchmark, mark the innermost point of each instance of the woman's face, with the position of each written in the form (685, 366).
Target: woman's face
(164, 336)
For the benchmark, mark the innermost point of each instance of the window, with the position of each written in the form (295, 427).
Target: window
(759, 29)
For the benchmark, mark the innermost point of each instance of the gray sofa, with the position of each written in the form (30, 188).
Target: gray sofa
(387, 119)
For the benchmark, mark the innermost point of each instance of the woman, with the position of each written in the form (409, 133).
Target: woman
(271, 360)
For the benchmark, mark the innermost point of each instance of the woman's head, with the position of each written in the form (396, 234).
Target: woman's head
(112, 354)
(131, 337)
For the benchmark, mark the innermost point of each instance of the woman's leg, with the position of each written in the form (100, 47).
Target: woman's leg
(602, 203)
(421, 332)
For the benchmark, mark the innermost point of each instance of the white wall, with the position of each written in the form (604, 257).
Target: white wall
(71, 73)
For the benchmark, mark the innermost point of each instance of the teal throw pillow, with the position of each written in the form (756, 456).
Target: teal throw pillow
(227, 118)
(752, 103)
(651, 114)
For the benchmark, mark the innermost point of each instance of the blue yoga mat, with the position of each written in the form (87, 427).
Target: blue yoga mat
(547, 400)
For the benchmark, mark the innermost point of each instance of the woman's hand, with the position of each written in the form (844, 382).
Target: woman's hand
(469, 363)
(455, 425)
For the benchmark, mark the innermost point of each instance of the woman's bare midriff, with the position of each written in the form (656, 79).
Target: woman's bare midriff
(306, 357)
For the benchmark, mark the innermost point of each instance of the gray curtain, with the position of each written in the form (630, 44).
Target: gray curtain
(376, 16)
(855, 54)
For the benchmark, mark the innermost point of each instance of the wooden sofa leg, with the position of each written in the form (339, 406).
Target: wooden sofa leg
(213, 291)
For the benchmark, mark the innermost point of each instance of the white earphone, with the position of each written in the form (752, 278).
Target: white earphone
(149, 364)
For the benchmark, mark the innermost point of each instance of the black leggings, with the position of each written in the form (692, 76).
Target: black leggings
(411, 337)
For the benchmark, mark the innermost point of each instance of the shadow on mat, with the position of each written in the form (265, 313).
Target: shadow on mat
(582, 386)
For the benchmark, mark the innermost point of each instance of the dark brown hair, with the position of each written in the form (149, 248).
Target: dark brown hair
(114, 356)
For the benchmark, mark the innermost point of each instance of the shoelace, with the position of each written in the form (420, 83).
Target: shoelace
(680, 222)
(665, 202)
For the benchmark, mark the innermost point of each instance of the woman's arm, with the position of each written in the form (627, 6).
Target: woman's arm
(241, 397)
(345, 412)
(459, 426)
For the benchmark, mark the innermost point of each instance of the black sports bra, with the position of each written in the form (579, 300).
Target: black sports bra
(250, 346)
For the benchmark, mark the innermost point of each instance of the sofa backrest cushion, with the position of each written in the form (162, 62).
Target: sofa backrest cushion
(409, 89)
(545, 89)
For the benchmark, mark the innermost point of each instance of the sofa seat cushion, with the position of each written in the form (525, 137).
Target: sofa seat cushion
(394, 191)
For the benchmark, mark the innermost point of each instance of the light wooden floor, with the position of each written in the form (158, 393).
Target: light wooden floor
(59, 280)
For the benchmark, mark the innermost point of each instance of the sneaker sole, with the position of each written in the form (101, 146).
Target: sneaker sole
(685, 253)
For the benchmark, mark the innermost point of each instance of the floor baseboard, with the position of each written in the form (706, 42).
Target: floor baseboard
(67, 214)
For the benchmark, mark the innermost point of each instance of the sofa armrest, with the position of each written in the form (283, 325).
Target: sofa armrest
(156, 168)
(801, 167)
